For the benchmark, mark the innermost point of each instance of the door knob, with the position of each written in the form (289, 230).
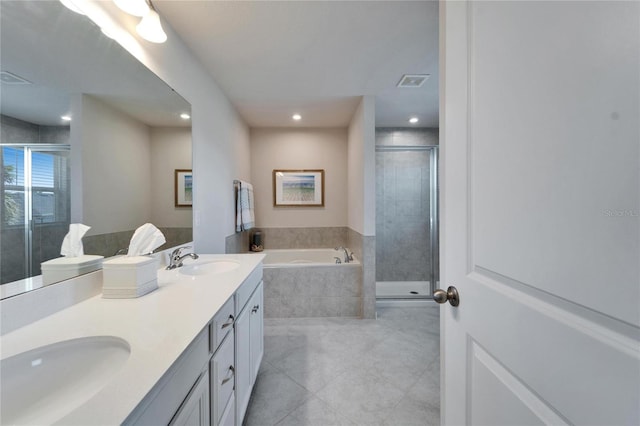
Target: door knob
(451, 295)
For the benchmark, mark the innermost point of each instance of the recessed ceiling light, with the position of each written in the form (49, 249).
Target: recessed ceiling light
(413, 120)
(66, 118)
(185, 116)
(297, 117)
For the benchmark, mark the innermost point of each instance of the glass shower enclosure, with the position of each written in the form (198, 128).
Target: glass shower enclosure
(406, 221)
(35, 208)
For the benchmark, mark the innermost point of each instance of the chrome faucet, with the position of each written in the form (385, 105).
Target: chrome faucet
(347, 257)
(175, 259)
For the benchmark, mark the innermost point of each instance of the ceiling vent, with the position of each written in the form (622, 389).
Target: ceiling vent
(7, 78)
(413, 80)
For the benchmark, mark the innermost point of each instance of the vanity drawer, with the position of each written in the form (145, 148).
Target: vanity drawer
(222, 368)
(247, 287)
(222, 324)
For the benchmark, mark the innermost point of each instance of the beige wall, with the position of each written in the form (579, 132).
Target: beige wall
(170, 150)
(112, 188)
(300, 149)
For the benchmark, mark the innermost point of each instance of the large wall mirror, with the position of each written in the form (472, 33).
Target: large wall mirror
(88, 134)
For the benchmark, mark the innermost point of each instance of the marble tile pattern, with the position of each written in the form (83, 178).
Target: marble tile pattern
(312, 291)
(403, 187)
(304, 238)
(364, 248)
(12, 261)
(237, 242)
(404, 136)
(13, 130)
(108, 244)
(336, 371)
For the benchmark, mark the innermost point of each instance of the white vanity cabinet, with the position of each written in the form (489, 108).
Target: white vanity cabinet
(249, 329)
(195, 409)
(211, 382)
(180, 391)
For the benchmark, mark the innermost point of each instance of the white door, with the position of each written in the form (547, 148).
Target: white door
(540, 215)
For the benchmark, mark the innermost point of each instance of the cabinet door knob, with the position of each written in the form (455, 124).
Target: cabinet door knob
(255, 309)
(229, 322)
(233, 372)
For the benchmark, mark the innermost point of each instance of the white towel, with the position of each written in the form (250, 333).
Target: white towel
(245, 218)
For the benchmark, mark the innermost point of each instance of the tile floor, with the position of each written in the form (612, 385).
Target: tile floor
(331, 371)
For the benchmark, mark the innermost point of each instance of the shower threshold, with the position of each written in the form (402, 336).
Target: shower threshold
(403, 290)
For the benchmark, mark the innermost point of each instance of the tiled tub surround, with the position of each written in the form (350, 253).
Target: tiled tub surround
(304, 290)
(291, 238)
(363, 247)
(304, 238)
(108, 244)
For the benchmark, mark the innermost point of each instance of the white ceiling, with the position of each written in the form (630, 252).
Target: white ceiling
(275, 58)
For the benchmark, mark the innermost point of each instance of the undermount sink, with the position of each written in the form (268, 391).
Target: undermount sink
(43, 385)
(209, 267)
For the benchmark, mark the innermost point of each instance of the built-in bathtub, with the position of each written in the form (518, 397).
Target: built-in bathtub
(303, 283)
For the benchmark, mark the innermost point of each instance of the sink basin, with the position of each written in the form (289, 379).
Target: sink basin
(209, 267)
(43, 385)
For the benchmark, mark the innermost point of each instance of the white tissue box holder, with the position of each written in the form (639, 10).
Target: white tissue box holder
(63, 268)
(129, 277)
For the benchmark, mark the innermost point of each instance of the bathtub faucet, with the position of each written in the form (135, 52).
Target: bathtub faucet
(347, 257)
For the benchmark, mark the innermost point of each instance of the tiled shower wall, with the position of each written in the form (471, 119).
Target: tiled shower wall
(403, 186)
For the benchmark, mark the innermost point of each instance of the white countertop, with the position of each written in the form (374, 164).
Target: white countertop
(158, 327)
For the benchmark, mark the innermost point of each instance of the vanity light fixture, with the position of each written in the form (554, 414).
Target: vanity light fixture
(69, 4)
(185, 116)
(413, 120)
(150, 27)
(133, 7)
(297, 117)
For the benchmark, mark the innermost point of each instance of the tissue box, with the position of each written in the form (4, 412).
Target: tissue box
(63, 268)
(129, 276)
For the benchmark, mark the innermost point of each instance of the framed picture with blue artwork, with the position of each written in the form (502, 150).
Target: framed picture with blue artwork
(184, 188)
(298, 188)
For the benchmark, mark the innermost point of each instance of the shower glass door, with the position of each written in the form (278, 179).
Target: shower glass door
(35, 210)
(406, 221)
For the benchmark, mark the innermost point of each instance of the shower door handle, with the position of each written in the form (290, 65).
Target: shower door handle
(451, 295)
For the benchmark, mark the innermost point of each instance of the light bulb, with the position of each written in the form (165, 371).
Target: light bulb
(297, 117)
(133, 7)
(413, 120)
(150, 28)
